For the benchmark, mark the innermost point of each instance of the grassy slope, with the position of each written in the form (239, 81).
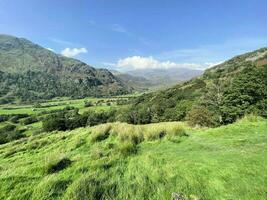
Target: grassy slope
(223, 163)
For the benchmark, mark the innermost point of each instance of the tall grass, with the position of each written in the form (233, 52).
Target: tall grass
(138, 133)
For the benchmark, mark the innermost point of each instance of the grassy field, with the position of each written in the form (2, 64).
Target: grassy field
(56, 104)
(42, 110)
(121, 161)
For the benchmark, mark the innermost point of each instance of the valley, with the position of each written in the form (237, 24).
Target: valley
(133, 100)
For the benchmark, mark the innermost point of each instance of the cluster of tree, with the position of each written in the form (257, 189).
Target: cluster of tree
(71, 119)
(9, 133)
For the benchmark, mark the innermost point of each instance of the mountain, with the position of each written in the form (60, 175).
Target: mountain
(166, 77)
(223, 94)
(153, 79)
(29, 72)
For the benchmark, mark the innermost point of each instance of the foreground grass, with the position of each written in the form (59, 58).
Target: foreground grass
(120, 161)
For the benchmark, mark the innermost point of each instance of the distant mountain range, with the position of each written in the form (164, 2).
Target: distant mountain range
(144, 79)
(29, 72)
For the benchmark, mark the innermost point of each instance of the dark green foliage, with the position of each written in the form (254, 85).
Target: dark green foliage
(9, 133)
(29, 120)
(88, 104)
(58, 166)
(14, 118)
(54, 123)
(200, 116)
(94, 118)
(71, 119)
(246, 94)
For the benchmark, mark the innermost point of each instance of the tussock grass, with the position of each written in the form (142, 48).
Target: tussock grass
(100, 132)
(56, 163)
(138, 133)
(127, 148)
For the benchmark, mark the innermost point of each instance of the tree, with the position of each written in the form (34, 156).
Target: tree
(200, 116)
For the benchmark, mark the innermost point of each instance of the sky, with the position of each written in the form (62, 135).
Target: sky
(140, 34)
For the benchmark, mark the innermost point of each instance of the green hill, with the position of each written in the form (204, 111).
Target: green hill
(120, 161)
(223, 94)
(29, 72)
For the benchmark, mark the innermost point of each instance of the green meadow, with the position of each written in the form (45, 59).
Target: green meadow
(56, 104)
(122, 161)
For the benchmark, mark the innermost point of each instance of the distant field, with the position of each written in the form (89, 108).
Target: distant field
(59, 104)
(121, 161)
(41, 110)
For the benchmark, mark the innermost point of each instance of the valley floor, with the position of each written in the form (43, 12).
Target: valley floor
(121, 161)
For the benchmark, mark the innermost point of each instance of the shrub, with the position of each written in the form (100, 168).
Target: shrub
(88, 104)
(15, 118)
(54, 123)
(9, 133)
(7, 128)
(29, 120)
(200, 116)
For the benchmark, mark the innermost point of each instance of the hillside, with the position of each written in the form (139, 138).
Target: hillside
(30, 72)
(120, 161)
(225, 92)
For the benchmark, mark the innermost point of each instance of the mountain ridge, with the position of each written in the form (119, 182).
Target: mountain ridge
(21, 59)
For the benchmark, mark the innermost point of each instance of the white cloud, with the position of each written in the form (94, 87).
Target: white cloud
(50, 49)
(138, 62)
(72, 52)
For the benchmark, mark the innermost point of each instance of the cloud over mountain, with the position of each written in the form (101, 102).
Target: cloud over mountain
(139, 62)
(72, 52)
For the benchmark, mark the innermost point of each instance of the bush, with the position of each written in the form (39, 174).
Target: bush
(54, 123)
(200, 116)
(9, 133)
(7, 128)
(88, 104)
(15, 118)
(29, 120)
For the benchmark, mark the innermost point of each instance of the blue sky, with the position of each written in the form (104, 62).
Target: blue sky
(128, 34)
